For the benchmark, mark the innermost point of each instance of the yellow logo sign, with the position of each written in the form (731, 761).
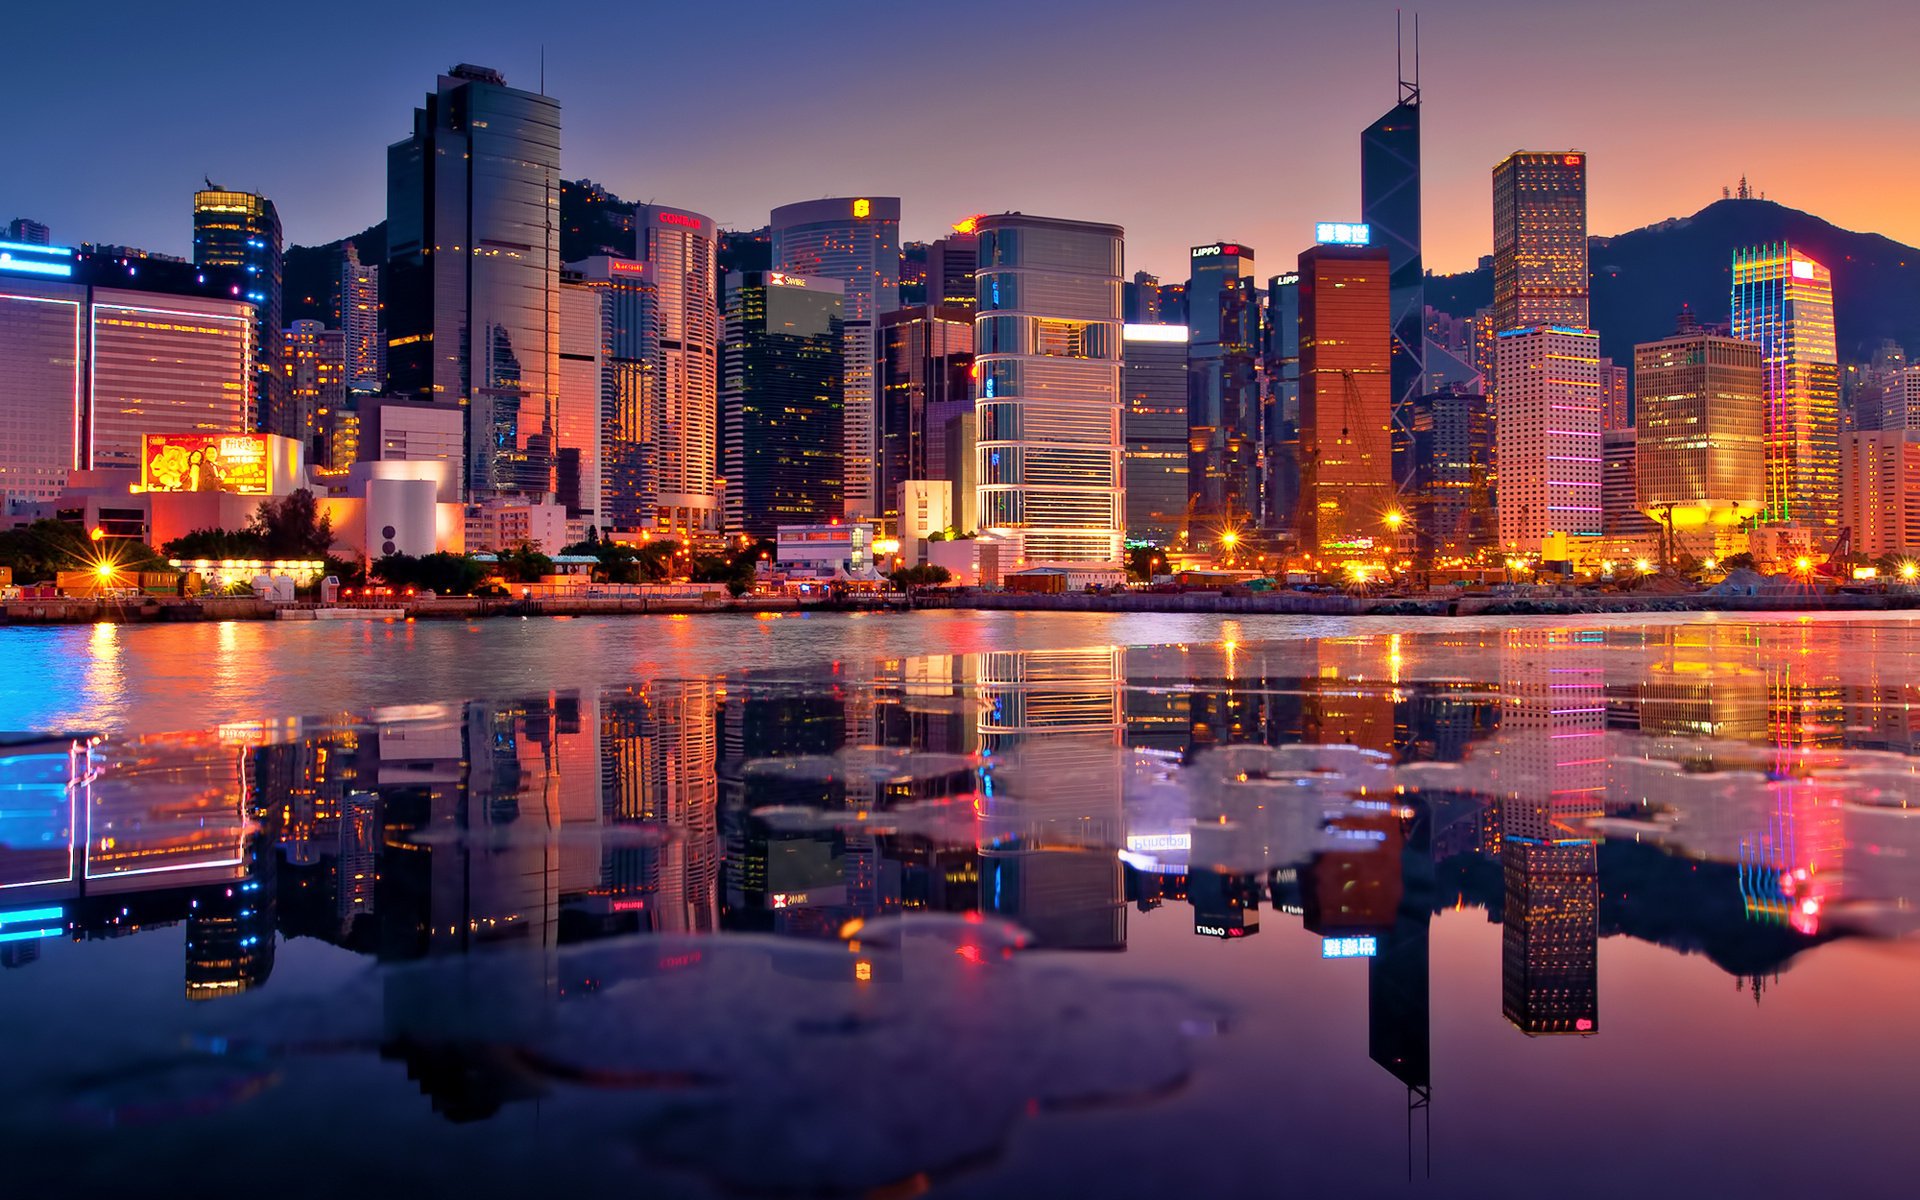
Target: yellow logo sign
(861, 208)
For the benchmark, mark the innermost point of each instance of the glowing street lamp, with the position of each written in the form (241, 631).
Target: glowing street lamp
(1909, 571)
(1803, 564)
(1643, 566)
(1395, 519)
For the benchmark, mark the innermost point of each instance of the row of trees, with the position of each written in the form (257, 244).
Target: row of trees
(36, 553)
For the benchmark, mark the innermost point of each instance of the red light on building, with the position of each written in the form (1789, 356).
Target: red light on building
(681, 219)
(1572, 160)
(621, 266)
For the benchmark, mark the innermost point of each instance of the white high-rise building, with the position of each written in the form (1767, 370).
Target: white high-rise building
(857, 241)
(1547, 425)
(1047, 397)
(360, 323)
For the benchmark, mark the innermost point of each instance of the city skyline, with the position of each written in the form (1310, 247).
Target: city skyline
(737, 166)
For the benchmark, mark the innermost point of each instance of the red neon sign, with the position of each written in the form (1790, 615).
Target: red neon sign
(681, 219)
(621, 266)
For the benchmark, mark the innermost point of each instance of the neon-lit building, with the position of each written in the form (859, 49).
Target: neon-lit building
(1701, 423)
(473, 271)
(1547, 429)
(1156, 433)
(855, 240)
(1783, 300)
(239, 231)
(1540, 274)
(1346, 400)
(97, 351)
(1047, 392)
(1225, 466)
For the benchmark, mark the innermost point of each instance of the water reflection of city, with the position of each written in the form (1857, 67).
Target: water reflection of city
(1060, 790)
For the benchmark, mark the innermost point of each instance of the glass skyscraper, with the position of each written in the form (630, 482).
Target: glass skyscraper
(926, 363)
(1390, 208)
(1700, 454)
(855, 240)
(1783, 300)
(239, 231)
(1282, 402)
(1156, 433)
(780, 401)
(1225, 461)
(1540, 274)
(473, 271)
(1047, 389)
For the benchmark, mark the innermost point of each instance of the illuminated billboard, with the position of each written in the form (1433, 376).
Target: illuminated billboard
(208, 462)
(1349, 947)
(1343, 233)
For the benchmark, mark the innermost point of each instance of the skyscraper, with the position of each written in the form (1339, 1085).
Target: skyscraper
(314, 360)
(473, 271)
(1880, 491)
(1225, 465)
(1047, 389)
(950, 265)
(239, 231)
(780, 401)
(1701, 456)
(1783, 300)
(926, 364)
(1616, 396)
(1155, 426)
(1346, 399)
(28, 232)
(1281, 403)
(857, 241)
(680, 332)
(361, 324)
(1390, 208)
(1453, 461)
(1547, 428)
(586, 404)
(1540, 274)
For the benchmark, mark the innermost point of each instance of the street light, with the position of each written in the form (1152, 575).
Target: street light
(1803, 564)
(1908, 571)
(1395, 518)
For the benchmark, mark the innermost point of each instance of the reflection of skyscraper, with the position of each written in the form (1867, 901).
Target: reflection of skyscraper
(659, 764)
(1549, 941)
(1783, 300)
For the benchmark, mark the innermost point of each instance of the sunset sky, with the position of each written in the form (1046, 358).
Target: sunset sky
(1184, 122)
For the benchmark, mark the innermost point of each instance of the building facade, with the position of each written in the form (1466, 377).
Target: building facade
(780, 401)
(1547, 425)
(1226, 442)
(1880, 492)
(855, 240)
(1047, 392)
(926, 366)
(1700, 401)
(360, 322)
(314, 359)
(1449, 502)
(1783, 300)
(1620, 514)
(1540, 274)
(1390, 210)
(586, 402)
(1155, 428)
(472, 277)
(239, 231)
(1346, 400)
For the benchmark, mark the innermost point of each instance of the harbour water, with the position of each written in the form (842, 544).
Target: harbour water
(963, 905)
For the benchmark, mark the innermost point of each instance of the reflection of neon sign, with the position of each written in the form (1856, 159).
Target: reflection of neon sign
(1349, 947)
(1155, 843)
(1287, 280)
(10, 924)
(1343, 233)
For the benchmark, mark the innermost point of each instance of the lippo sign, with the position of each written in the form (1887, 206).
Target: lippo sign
(203, 462)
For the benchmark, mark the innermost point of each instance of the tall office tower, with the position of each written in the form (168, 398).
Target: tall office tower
(680, 321)
(1346, 399)
(1390, 208)
(1620, 515)
(1540, 272)
(314, 358)
(587, 402)
(780, 401)
(1700, 401)
(1449, 501)
(28, 232)
(1880, 491)
(951, 261)
(1280, 403)
(96, 351)
(1616, 397)
(1047, 389)
(360, 322)
(1899, 398)
(473, 271)
(857, 241)
(913, 274)
(1225, 468)
(1155, 431)
(1880, 398)
(239, 231)
(1783, 300)
(1547, 429)
(926, 367)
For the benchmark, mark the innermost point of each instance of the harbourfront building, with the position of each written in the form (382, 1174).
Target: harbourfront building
(1047, 390)
(855, 240)
(926, 365)
(1547, 424)
(1540, 274)
(1783, 300)
(1880, 491)
(1346, 400)
(240, 232)
(1700, 401)
(1155, 429)
(472, 277)
(1225, 436)
(96, 351)
(783, 443)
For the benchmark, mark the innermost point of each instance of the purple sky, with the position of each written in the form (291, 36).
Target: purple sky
(1185, 122)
